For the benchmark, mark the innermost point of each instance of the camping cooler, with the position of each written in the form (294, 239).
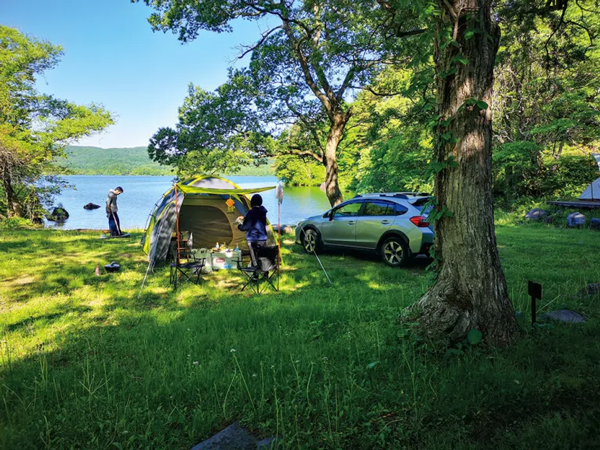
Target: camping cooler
(225, 260)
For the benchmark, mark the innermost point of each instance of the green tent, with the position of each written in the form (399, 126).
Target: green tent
(203, 211)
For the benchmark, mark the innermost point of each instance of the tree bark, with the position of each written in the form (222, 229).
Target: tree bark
(470, 291)
(332, 187)
(14, 207)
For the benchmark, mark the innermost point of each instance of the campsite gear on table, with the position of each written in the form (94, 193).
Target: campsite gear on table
(227, 259)
(265, 271)
(112, 267)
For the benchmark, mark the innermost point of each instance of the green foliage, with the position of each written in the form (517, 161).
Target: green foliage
(216, 133)
(474, 337)
(296, 172)
(390, 143)
(131, 161)
(15, 223)
(85, 363)
(306, 63)
(110, 161)
(34, 128)
(546, 107)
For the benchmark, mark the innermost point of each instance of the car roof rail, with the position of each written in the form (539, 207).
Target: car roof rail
(395, 195)
(403, 195)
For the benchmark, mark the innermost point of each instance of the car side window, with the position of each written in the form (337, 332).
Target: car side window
(398, 210)
(351, 209)
(376, 209)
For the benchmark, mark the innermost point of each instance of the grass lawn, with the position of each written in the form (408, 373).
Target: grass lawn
(85, 364)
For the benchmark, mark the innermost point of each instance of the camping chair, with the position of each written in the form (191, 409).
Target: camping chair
(265, 271)
(188, 264)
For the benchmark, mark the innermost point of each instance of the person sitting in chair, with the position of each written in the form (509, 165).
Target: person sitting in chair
(255, 226)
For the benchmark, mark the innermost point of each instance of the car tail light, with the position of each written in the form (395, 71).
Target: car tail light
(420, 221)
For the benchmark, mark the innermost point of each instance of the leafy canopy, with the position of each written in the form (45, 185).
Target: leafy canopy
(34, 127)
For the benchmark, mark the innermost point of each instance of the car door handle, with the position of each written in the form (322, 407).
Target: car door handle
(351, 222)
(385, 222)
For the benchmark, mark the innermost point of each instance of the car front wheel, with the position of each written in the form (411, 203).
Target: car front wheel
(394, 252)
(310, 241)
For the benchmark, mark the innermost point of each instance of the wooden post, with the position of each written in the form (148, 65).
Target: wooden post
(535, 291)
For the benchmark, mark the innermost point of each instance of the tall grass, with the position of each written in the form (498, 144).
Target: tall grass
(85, 364)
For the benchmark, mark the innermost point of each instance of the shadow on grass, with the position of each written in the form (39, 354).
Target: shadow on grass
(323, 366)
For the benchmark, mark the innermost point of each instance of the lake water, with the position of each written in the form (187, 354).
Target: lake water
(141, 193)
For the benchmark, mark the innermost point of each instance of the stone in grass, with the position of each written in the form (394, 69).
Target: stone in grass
(595, 224)
(234, 437)
(564, 315)
(536, 214)
(590, 290)
(267, 444)
(575, 219)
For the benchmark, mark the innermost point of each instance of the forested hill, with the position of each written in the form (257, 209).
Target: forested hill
(127, 161)
(111, 161)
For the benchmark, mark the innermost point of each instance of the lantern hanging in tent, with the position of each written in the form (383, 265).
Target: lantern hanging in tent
(230, 204)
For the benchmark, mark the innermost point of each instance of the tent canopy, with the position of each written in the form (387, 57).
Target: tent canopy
(201, 205)
(592, 192)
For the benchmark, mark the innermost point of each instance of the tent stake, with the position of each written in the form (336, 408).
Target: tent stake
(318, 259)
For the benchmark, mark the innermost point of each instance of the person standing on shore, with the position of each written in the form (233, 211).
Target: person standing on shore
(111, 211)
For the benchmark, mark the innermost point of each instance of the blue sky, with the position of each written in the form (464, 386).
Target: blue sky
(113, 57)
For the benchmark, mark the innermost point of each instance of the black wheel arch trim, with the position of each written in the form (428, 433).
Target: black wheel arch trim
(313, 228)
(391, 233)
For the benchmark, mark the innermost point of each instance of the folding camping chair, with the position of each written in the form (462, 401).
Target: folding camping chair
(188, 264)
(266, 269)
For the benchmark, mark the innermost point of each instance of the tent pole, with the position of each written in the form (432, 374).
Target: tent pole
(177, 224)
(278, 242)
(150, 264)
(144, 280)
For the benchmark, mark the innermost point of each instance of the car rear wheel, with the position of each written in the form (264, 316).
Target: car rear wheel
(310, 241)
(394, 252)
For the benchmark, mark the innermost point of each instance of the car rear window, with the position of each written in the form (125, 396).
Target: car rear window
(381, 208)
(420, 202)
(399, 209)
(375, 209)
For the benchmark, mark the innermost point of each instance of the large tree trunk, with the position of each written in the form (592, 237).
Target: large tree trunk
(14, 207)
(332, 187)
(470, 290)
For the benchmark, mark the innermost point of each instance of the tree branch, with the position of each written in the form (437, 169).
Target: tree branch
(262, 40)
(293, 150)
(304, 65)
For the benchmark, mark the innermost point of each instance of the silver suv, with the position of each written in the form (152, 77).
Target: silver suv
(392, 224)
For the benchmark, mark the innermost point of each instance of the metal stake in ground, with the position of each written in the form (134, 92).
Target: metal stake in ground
(317, 256)
(535, 291)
